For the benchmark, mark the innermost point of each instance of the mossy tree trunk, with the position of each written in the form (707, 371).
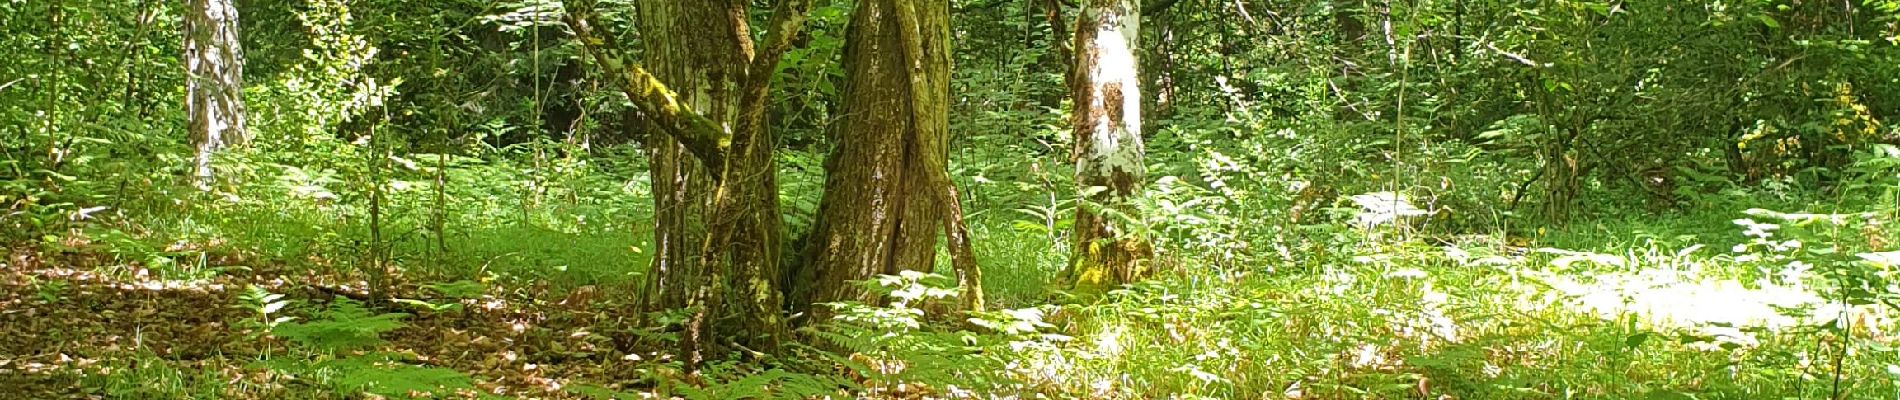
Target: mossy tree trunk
(214, 82)
(1109, 250)
(717, 231)
(887, 187)
(695, 56)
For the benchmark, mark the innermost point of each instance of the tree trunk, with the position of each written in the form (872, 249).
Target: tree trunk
(214, 79)
(1059, 42)
(887, 187)
(1108, 149)
(685, 45)
(717, 230)
(713, 241)
(1563, 178)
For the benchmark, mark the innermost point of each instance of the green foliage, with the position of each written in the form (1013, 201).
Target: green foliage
(897, 345)
(345, 326)
(449, 297)
(339, 338)
(806, 85)
(168, 264)
(1875, 175)
(1834, 251)
(266, 307)
(382, 374)
(1551, 143)
(75, 108)
(50, 291)
(148, 376)
(333, 88)
(460, 290)
(769, 384)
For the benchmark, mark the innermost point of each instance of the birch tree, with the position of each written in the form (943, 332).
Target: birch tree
(1109, 251)
(214, 79)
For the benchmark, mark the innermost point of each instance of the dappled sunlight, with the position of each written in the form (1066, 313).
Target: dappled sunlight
(950, 200)
(1108, 342)
(1677, 293)
(1678, 299)
(139, 279)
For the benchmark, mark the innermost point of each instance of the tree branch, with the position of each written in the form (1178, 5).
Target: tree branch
(705, 139)
(788, 19)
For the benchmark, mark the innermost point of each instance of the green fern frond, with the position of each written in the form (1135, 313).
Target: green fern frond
(346, 325)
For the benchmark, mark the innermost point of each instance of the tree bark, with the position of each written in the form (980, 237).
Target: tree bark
(692, 48)
(1108, 149)
(887, 186)
(717, 232)
(214, 82)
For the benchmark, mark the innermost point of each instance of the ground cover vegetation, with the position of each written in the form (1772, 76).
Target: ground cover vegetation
(1128, 199)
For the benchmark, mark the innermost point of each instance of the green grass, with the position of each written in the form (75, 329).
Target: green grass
(1344, 317)
(1411, 325)
(573, 236)
(1018, 264)
(143, 375)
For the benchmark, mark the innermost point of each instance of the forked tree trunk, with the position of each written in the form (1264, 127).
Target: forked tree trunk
(214, 79)
(717, 230)
(1108, 149)
(714, 241)
(887, 188)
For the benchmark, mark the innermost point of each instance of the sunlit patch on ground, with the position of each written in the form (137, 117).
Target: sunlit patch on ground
(1725, 309)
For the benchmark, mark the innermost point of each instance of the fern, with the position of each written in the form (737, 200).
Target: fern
(597, 392)
(385, 375)
(345, 326)
(382, 374)
(264, 307)
(893, 344)
(348, 326)
(771, 384)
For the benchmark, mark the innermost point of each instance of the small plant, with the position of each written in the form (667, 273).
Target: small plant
(1792, 248)
(387, 375)
(768, 384)
(345, 326)
(165, 262)
(264, 305)
(896, 349)
(145, 375)
(50, 291)
(333, 340)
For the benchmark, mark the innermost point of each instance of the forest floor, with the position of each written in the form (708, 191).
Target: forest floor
(83, 325)
(68, 326)
(250, 297)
